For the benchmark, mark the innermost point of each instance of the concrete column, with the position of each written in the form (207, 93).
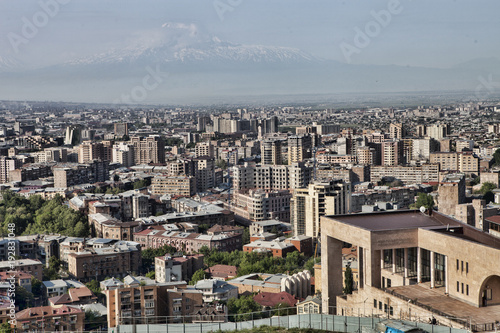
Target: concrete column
(331, 271)
(446, 287)
(419, 265)
(394, 260)
(432, 270)
(406, 261)
(373, 268)
(362, 268)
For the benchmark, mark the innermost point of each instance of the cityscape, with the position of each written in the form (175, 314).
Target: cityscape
(237, 166)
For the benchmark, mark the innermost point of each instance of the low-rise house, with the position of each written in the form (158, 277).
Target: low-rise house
(270, 300)
(54, 288)
(49, 318)
(216, 290)
(222, 272)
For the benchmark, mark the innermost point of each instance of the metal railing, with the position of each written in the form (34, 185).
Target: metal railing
(327, 322)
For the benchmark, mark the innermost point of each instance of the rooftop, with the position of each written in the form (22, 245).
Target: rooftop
(397, 220)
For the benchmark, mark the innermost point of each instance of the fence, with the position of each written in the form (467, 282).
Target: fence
(326, 322)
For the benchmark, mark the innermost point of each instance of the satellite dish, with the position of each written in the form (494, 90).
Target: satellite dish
(422, 209)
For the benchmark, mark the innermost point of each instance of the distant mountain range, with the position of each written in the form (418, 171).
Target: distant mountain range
(200, 68)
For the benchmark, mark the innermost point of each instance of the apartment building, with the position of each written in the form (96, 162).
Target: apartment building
(31, 172)
(318, 199)
(259, 205)
(156, 236)
(136, 300)
(119, 259)
(270, 152)
(120, 129)
(28, 266)
(147, 150)
(176, 185)
(124, 154)
(204, 149)
(57, 318)
(6, 166)
(407, 174)
(397, 131)
(466, 162)
(392, 152)
(299, 148)
(181, 268)
(271, 177)
(74, 174)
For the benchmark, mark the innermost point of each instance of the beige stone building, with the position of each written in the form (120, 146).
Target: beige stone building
(413, 266)
(176, 185)
(318, 199)
(407, 174)
(148, 150)
(299, 148)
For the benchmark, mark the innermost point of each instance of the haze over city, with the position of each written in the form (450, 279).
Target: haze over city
(216, 51)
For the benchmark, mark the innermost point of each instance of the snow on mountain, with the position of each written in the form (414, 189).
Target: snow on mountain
(187, 46)
(8, 64)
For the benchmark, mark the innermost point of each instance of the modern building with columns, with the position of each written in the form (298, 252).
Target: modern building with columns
(413, 265)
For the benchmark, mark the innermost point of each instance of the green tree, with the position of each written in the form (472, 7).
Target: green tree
(5, 327)
(52, 272)
(496, 157)
(245, 238)
(116, 178)
(36, 287)
(348, 280)
(24, 299)
(221, 164)
(197, 276)
(425, 200)
(241, 308)
(487, 187)
(151, 275)
(94, 286)
(191, 145)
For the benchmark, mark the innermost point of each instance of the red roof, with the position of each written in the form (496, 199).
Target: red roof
(222, 271)
(272, 299)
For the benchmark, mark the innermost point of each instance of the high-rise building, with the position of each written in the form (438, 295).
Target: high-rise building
(392, 152)
(396, 131)
(89, 151)
(204, 149)
(438, 131)
(124, 154)
(6, 165)
(73, 135)
(299, 148)
(270, 152)
(148, 150)
(121, 129)
(318, 199)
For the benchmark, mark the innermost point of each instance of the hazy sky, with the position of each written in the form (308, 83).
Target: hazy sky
(427, 33)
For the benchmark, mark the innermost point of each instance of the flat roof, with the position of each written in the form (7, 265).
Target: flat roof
(396, 220)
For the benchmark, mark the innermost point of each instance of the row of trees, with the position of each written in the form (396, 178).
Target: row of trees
(252, 262)
(36, 216)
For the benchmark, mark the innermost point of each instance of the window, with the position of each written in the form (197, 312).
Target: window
(388, 283)
(466, 267)
(462, 266)
(385, 308)
(380, 305)
(458, 266)
(391, 311)
(462, 288)
(467, 290)
(458, 287)
(375, 303)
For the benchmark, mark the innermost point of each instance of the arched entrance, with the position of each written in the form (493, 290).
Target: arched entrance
(489, 294)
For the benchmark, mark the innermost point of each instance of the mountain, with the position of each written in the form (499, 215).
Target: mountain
(8, 64)
(191, 66)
